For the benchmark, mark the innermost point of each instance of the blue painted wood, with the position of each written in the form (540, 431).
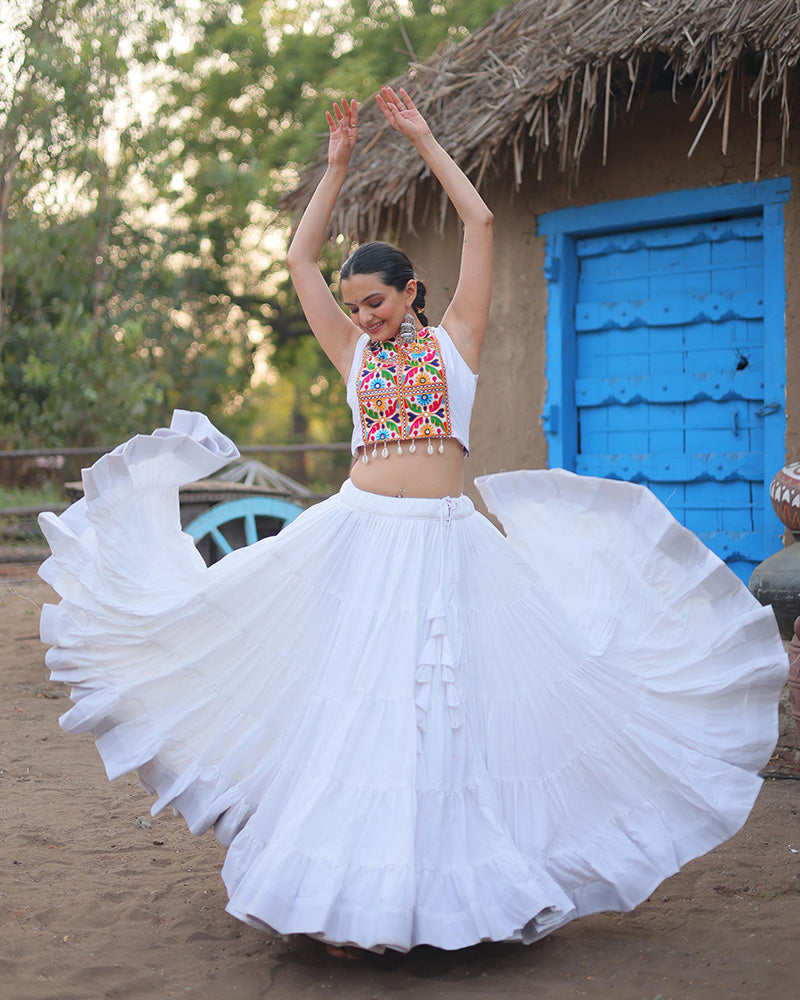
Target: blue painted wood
(774, 411)
(561, 270)
(666, 236)
(669, 310)
(677, 332)
(220, 540)
(717, 467)
(744, 547)
(670, 387)
(244, 510)
(663, 209)
(250, 531)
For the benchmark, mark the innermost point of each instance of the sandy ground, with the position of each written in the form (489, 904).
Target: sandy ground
(96, 903)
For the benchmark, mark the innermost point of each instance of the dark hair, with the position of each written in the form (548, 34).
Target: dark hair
(393, 268)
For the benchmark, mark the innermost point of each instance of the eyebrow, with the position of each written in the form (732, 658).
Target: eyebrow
(370, 296)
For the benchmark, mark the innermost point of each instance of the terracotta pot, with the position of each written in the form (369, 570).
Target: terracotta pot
(784, 492)
(776, 581)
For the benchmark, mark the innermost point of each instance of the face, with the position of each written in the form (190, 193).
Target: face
(378, 309)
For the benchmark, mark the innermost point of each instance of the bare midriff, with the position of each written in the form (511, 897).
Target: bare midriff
(412, 474)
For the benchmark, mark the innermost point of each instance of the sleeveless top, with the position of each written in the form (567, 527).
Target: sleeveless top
(398, 392)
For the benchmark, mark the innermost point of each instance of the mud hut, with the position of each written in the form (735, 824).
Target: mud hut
(640, 162)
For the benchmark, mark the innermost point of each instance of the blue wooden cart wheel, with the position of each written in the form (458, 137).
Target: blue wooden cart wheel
(235, 523)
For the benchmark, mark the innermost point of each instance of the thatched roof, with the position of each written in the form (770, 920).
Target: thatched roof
(537, 77)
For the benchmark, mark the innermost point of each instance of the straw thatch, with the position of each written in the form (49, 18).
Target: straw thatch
(535, 78)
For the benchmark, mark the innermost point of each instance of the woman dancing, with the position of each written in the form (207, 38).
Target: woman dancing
(407, 727)
(385, 300)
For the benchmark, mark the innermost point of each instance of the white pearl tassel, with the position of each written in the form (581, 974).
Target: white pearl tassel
(411, 448)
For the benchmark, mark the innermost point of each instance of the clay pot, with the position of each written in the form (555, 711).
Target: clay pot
(784, 492)
(776, 581)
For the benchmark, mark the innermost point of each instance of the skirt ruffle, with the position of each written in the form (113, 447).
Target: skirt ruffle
(406, 727)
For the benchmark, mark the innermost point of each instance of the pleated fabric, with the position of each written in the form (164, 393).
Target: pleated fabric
(406, 727)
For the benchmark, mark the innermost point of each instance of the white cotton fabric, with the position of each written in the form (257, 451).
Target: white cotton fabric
(460, 379)
(407, 728)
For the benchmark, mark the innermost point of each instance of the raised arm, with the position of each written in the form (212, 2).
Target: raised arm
(336, 333)
(467, 315)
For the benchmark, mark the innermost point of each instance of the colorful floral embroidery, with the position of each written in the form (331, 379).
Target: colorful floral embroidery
(402, 390)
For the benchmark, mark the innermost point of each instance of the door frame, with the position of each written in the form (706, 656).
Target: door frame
(563, 227)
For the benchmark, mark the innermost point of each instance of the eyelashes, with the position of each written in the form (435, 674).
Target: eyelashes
(370, 305)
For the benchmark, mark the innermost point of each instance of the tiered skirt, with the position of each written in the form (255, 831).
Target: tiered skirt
(406, 727)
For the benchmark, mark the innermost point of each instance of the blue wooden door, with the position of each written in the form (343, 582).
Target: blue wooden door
(669, 388)
(666, 360)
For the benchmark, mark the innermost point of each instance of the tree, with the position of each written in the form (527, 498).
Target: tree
(63, 66)
(245, 106)
(243, 112)
(140, 245)
(97, 330)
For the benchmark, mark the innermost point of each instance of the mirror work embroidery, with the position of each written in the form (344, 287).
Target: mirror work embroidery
(402, 390)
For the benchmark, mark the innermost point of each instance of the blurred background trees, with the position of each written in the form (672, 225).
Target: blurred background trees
(143, 147)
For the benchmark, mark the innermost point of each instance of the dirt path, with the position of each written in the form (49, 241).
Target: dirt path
(94, 904)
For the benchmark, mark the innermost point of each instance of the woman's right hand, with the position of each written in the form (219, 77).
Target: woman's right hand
(343, 132)
(336, 332)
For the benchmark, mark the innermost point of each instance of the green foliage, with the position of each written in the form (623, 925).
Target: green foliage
(28, 496)
(50, 396)
(140, 246)
(246, 109)
(61, 370)
(100, 333)
(246, 104)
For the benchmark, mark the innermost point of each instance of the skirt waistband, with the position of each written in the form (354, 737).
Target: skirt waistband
(436, 508)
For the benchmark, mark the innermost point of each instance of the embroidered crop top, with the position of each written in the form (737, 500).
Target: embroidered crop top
(398, 392)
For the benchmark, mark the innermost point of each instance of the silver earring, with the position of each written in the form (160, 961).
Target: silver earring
(407, 329)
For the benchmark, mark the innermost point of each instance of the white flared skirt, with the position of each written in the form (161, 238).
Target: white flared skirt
(406, 727)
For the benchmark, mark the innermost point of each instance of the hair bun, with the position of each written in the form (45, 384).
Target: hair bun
(418, 305)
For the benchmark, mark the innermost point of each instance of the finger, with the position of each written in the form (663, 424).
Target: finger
(337, 111)
(350, 113)
(389, 112)
(331, 123)
(406, 98)
(389, 96)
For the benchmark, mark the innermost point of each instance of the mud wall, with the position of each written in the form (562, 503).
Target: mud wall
(646, 156)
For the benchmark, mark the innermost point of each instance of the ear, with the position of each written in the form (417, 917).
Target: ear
(411, 292)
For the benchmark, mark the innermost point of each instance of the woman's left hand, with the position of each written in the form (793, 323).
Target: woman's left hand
(401, 114)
